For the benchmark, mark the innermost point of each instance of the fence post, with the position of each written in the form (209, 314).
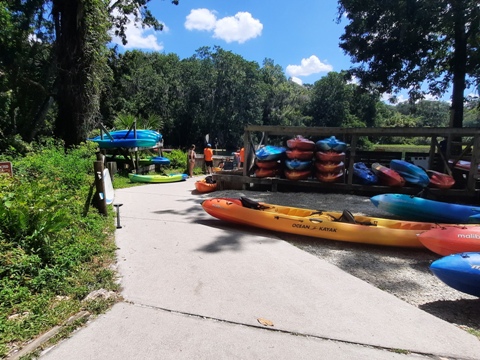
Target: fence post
(100, 199)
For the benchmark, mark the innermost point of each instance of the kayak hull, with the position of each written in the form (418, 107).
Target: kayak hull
(157, 178)
(452, 239)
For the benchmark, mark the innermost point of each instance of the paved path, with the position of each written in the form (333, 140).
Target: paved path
(195, 288)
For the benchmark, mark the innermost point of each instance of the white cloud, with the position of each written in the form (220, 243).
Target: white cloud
(296, 80)
(139, 38)
(238, 28)
(201, 19)
(309, 66)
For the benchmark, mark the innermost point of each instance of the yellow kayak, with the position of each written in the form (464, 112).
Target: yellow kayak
(342, 226)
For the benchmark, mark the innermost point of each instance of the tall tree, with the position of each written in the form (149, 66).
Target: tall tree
(405, 44)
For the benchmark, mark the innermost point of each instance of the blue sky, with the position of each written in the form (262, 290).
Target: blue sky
(300, 36)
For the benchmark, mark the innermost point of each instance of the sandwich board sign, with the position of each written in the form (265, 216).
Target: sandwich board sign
(6, 167)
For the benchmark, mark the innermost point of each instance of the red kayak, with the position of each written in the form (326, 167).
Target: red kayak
(387, 176)
(440, 180)
(298, 174)
(329, 167)
(330, 177)
(299, 154)
(261, 173)
(300, 143)
(453, 239)
(330, 156)
(267, 164)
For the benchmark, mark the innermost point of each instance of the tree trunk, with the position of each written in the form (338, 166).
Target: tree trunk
(72, 96)
(459, 62)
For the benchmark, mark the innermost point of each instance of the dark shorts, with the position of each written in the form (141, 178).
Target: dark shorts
(209, 163)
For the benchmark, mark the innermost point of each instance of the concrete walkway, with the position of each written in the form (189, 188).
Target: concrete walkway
(197, 288)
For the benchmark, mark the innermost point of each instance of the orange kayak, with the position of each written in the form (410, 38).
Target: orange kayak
(203, 187)
(262, 172)
(331, 225)
(329, 167)
(267, 164)
(299, 154)
(440, 180)
(298, 174)
(387, 176)
(329, 177)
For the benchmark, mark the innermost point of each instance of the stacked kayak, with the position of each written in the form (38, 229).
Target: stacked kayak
(412, 173)
(341, 226)
(298, 165)
(128, 139)
(420, 209)
(156, 178)
(330, 157)
(447, 240)
(459, 271)
(268, 160)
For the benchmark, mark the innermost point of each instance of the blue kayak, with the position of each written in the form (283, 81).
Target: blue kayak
(297, 164)
(412, 173)
(124, 143)
(459, 271)
(419, 209)
(331, 144)
(363, 174)
(270, 152)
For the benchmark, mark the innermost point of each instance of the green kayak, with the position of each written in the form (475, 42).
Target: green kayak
(157, 178)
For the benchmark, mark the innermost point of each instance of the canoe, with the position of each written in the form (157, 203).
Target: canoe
(451, 239)
(331, 225)
(329, 177)
(330, 156)
(387, 176)
(302, 155)
(261, 173)
(419, 209)
(363, 175)
(440, 180)
(267, 164)
(410, 172)
(203, 186)
(298, 174)
(156, 178)
(300, 143)
(270, 152)
(329, 167)
(459, 271)
(331, 144)
(296, 164)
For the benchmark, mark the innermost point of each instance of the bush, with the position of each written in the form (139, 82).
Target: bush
(49, 245)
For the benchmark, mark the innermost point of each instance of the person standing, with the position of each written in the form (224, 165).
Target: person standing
(208, 157)
(191, 160)
(242, 156)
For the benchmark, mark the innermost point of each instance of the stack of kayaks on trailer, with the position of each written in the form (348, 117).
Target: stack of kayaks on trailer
(298, 164)
(330, 159)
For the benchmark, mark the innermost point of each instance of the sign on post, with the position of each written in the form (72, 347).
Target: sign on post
(6, 167)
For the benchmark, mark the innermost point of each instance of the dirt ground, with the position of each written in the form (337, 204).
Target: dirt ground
(402, 272)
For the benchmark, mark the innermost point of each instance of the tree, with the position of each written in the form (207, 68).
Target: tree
(406, 43)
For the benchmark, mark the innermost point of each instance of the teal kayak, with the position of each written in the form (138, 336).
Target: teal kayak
(420, 209)
(156, 178)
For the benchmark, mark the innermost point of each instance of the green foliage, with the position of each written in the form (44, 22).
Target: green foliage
(51, 254)
(178, 159)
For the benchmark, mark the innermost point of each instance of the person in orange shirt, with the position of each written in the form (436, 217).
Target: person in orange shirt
(208, 157)
(242, 156)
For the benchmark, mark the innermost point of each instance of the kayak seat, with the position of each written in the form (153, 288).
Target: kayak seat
(347, 217)
(252, 204)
